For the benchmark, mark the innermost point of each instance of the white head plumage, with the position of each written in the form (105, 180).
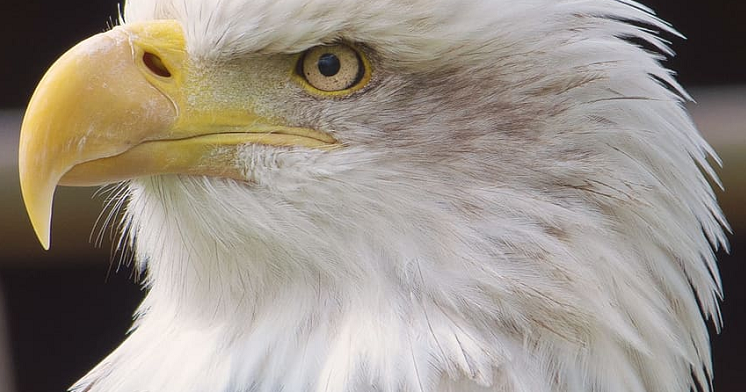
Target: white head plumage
(520, 206)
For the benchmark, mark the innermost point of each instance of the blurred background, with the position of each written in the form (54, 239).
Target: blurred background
(64, 310)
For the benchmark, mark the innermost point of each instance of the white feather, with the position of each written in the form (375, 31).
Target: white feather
(522, 208)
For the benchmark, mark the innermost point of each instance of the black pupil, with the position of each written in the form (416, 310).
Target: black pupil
(329, 64)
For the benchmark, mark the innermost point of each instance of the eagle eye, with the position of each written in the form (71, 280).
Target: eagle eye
(337, 69)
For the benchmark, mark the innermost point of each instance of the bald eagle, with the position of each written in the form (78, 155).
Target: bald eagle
(391, 195)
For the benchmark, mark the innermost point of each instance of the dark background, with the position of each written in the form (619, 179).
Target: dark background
(67, 314)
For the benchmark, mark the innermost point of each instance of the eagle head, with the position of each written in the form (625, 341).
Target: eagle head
(391, 195)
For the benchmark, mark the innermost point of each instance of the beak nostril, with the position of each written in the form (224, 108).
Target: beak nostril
(155, 65)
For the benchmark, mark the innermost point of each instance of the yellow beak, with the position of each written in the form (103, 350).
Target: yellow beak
(129, 103)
